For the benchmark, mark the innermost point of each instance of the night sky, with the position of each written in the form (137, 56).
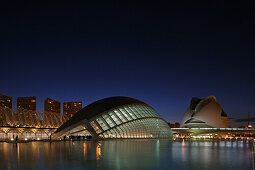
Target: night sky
(159, 52)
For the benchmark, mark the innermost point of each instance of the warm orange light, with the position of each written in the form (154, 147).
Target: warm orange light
(98, 151)
(85, 150)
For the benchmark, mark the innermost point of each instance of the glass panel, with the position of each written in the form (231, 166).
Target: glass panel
(141, 112)
(118, 135)
(125, 114)
(95, 127)
(153, 112)
(102, 124)
(130, 112)
(149, 114)
(108, 120)
(143, 128)
(112, 134)
(115, 119)
(118, 113)
(134, 111)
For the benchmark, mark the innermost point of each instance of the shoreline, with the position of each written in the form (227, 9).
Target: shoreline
(173, 140)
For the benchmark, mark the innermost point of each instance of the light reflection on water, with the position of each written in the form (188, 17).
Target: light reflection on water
(85, 150)
(98, 150)
(127, 154)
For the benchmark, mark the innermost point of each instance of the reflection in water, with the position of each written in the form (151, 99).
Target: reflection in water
(158, 149)
(85, 150)
(127, 154)
(17, 145)
(183, 142)
(98, 150)
(183, 150)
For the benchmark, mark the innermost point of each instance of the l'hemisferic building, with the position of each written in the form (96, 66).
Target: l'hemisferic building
(116, 117)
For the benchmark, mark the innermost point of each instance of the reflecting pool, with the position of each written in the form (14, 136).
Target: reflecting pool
(127, 154)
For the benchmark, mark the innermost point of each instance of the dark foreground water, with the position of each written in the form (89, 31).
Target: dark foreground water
(127, 154)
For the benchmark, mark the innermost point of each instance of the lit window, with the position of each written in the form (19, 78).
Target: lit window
(125, 113)
(130, 112)
(115, 119)
(102, 124)
(120, 116)
(108, 120)
(95, 127)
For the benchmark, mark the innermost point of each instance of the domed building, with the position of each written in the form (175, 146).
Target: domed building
(116, 117)
(205, 113)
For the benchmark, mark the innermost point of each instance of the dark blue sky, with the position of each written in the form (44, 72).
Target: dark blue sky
(159, 52)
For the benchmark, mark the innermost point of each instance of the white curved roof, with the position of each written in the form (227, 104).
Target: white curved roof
(207, 110)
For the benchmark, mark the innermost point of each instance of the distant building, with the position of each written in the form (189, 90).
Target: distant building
(52, 111)
(174, 125)
(5, 101)
(205, 113)
(28, 103)
(51, 105)
(70, 108)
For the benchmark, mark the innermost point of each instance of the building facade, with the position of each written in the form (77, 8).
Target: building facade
(5, 101)
(27, 103)
(52, 111)
(116, 117)
(70, 109)
(51, 105)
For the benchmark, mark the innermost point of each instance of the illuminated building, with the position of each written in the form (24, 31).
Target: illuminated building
(205, 113)
(27, 124)
(174, 125)
(70, 109)
(26, 111)
(5, 101)
(51, 105)
(27, 103)
(116, 117)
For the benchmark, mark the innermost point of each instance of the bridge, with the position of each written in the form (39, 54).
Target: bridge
(201, 131)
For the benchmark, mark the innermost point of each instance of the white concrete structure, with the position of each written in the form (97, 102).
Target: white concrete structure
(203, 113)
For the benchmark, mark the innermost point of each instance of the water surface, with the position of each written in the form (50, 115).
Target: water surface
(127, 154)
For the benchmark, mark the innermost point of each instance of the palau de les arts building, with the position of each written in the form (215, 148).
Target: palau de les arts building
(109, 118)
(205, 113)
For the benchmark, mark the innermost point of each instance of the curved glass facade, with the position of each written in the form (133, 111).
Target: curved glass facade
(130, 121)
(113, 118)
(141, 128)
